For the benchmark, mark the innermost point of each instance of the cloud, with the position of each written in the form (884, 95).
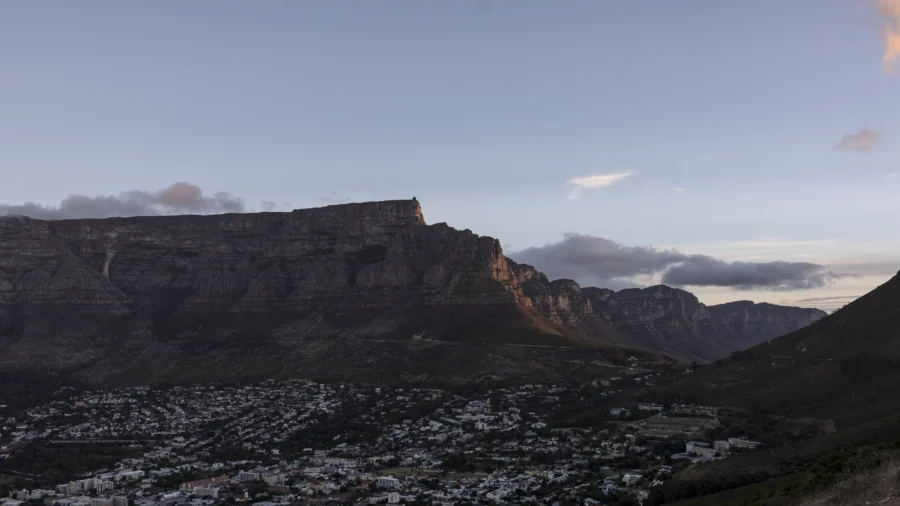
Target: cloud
(701, 270)
(776, 242)
(827, 299)
(603, 262)
(824, 303)
(654, 187)
(344, 196)
(863, 141)
(594, 182)
(890, 11)
(179, 198)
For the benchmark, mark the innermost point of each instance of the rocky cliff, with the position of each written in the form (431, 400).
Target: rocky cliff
(660, 318)
(349, 290)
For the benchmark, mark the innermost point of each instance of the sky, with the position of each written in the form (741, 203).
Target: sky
(747, 147)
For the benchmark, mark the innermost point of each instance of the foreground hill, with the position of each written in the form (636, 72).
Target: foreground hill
(840, 374)
(845, 366)
(350, 291)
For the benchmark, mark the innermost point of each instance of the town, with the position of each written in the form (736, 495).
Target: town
(299, 442)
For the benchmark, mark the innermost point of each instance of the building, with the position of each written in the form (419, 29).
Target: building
(206, 492)
(631, 479)
(216, 481)
(274, 478)
(249, 476)
(699, 448)
(682, 409)
(129, 475)
(721, 447)
(746, 444)
(387, 482)
(649, 406)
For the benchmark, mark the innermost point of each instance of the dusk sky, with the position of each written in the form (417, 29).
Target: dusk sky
(748, 130)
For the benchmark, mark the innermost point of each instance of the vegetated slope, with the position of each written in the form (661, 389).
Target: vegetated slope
(843, 370)
(340, 291)
(845, 366)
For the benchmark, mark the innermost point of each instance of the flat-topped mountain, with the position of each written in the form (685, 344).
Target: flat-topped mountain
(349, 290)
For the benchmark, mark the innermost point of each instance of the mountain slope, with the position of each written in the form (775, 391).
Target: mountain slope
(845, 367)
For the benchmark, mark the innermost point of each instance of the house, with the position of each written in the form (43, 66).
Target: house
(631, 479)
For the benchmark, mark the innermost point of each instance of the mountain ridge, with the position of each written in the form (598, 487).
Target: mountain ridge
(662, 318)
(263, 293)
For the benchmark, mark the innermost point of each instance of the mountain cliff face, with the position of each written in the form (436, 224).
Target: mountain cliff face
(337, 291)
(661, 318)
(244, 294)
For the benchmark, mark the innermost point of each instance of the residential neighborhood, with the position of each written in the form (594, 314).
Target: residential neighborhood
(299, 442)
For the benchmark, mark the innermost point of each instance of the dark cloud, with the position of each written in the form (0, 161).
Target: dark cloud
(588, 254)
(179, 198)
(602, 262)
(700, 270)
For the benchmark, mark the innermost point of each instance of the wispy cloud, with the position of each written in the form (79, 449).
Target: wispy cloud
(652, 186)
(594, 182)
(826, 299)
(863, 141)
(890, 11)
(892, 175)
(343, 196)
(828, 304)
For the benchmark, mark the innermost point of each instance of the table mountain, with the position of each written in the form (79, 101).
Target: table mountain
(356, 290)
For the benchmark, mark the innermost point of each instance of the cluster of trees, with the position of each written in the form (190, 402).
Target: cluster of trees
(49, 464)
(344, 426)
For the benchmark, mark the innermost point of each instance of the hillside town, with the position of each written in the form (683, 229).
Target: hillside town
(299, 442)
